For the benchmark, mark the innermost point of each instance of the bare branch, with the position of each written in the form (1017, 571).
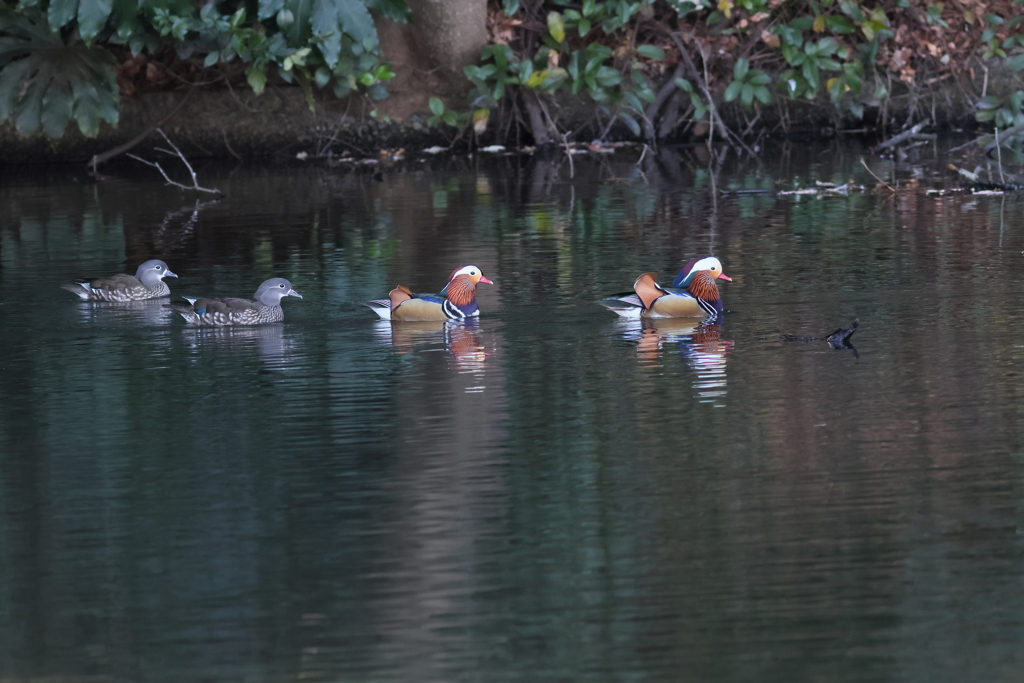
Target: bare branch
(177, 152)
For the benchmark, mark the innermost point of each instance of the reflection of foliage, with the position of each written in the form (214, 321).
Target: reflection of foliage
(55, 62)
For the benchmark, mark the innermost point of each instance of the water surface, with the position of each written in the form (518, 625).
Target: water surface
(549, 493)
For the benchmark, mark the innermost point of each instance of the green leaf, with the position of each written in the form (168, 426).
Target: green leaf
(257, 78)
(92, 17)
(332, 17)
(989, 102)
(268, 8)
(684, 84)
(61, 13)
(608, 77)
(747, 95)
(299, 32)
(733, 91)
(1017, 63)
(839, 24)
(759, 78)
(740, 69)
(804, 23)
(583, 27)
(322, 76)
(762, 94)
(651, 52)
(631, 122)
(556, 26)
(436, 106)
(574, 67)
(124, 13)
(395, 10)
(211, 59)
(511, 7)
(994, 19)
(52, 82)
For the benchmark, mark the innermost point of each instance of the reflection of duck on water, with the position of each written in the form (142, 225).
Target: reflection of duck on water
(146, 311)
(460, 338)
(699, 344)
(276, 348)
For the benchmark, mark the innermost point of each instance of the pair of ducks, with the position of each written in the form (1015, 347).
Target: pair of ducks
(148, 283)
(693, 294)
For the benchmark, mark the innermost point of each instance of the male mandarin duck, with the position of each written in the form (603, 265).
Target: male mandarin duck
(456, 301)
(230, 311)
(147, 283)
(693, 294)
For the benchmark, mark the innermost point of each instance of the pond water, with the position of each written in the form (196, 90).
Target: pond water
(549, 493)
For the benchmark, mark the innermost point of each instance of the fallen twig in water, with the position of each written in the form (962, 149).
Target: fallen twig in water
(873, 174)
(177, 152)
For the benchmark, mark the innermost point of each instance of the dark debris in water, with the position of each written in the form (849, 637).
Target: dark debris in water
(840, 339)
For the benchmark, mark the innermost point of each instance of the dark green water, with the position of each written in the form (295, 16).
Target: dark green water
(550, 494)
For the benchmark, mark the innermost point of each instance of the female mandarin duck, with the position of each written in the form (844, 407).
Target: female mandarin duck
(693, 294)
(147, 283)
(231, 311)
(455, 302)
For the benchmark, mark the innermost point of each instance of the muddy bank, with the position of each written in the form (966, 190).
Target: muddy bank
(239, 124)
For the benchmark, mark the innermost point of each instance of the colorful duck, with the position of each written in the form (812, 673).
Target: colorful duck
(693, 294)
(456, 301)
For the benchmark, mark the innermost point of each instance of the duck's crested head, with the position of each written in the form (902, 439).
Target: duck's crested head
(152, 270)
(708, 263)
(474, 274)
(273, 290)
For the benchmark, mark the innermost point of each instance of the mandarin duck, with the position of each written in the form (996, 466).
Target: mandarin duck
(147, 283)
(693, 294)
(230, 311)
(456, 301)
